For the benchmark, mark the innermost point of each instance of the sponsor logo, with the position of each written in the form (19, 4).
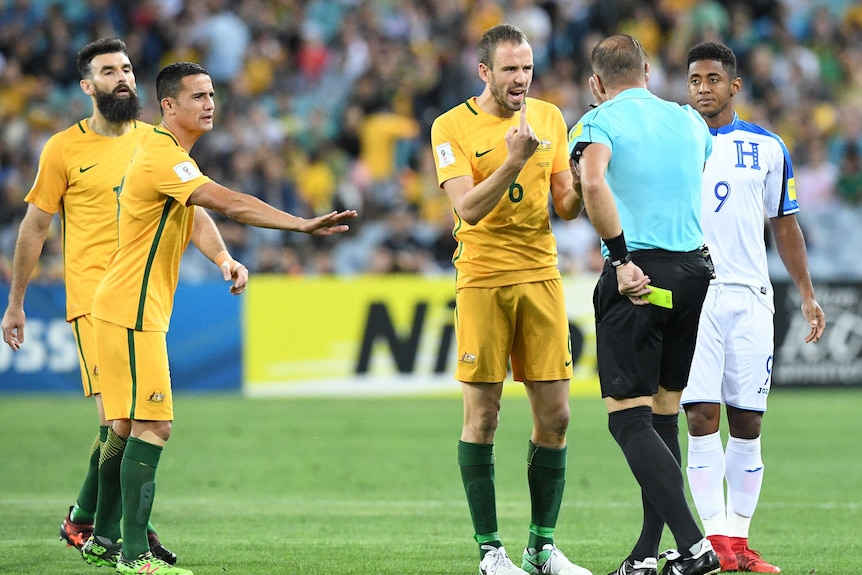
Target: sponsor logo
(82, 169)
(148, 569)
(480, 154)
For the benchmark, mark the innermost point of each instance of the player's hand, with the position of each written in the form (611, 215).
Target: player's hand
(234, 271)
(522, 141)
(632, 282)
(816, 320)
(326, 225)
(13, 327)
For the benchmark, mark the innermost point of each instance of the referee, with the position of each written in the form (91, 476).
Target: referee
(640, 161)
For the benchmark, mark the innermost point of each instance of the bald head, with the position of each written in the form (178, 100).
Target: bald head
(620, 61)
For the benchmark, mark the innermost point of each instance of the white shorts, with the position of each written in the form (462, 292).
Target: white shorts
(733, 357)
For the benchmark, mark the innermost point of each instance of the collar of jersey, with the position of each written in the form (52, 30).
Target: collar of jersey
(727, 128)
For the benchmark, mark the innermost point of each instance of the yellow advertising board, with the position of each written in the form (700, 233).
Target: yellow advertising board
(373, 335)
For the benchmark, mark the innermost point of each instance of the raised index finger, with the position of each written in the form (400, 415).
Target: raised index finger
(523, 117)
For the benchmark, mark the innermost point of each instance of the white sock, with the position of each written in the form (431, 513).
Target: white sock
(744, 480)
(706, 469)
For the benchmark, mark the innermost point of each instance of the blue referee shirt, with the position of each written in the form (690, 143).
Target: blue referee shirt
(658, 150)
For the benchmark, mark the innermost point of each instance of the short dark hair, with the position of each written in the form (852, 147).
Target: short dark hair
(618, 60)
(170, 78)
(97, 48)
(493, 37)
(714, 51)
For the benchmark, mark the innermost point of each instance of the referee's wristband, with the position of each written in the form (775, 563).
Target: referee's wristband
(621, 262)
(617, 250)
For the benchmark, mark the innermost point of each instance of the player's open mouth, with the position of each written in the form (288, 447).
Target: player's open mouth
(517, 95)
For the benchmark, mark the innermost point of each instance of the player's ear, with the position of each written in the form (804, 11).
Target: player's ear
(735, 86)
(87, 87)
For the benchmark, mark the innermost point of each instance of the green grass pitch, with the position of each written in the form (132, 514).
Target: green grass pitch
(371, 486)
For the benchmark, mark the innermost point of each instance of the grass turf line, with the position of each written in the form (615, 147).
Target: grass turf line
(371, 486)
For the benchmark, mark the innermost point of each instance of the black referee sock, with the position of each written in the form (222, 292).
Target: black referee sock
(656, 470)
(667, 427)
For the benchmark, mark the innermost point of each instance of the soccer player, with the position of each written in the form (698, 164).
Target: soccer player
(641, 160)
(158, 216)
(498, 155)
(748, 175)
(80, 171)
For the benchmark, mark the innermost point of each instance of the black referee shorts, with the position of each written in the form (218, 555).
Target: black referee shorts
(640, 347)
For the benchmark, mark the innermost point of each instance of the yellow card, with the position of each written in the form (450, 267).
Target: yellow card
(660, 297)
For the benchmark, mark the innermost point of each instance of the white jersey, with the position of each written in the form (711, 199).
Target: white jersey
(749, 174)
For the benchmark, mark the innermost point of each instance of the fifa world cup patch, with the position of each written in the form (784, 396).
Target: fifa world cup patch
(445, 157)
(187, 171)
(157, 397)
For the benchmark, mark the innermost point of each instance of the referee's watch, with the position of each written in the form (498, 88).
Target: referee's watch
(622, 261)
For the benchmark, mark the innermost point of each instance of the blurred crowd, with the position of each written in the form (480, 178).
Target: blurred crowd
(327, 104)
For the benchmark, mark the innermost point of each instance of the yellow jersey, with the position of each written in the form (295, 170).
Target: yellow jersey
(79, 178)
(155, 226)
(513, 244)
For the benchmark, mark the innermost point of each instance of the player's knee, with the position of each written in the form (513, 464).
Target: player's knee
(557, 422)
(483, 420)
(744, 424)
(702, 418)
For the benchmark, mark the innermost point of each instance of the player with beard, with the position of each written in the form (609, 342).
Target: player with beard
(80, 171)
(499, 155)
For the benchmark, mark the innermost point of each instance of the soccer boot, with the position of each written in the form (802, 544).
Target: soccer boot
(550, 561)
(705, 562)
(75, 534)
(648, 566)
(496, 562)
(726, 556)
(748, 559)
(148, 564)
(101, 551)
(160, 550)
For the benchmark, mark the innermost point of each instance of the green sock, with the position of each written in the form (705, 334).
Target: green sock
(85, 507)
(477, 472)
(546, 475)
(138, 476)
(109, 505)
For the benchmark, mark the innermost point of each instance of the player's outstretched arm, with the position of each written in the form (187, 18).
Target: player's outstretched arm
(28, 247)
(255, 212)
